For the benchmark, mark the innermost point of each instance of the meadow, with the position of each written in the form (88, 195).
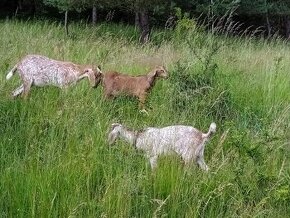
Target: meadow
(54, 157)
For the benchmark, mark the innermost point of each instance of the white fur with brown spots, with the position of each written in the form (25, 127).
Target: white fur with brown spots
(39, 70)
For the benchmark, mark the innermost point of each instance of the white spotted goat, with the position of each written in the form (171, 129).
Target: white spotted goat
(186, 141)
(41, 71)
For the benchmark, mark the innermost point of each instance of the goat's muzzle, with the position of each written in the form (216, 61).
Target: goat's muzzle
(112, 138)
(98, 79)
(164, 75)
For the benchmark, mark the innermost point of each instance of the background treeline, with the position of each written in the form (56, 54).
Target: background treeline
(269, 16)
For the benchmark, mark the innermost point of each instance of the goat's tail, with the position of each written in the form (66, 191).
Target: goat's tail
(11, 72)
(212, 129)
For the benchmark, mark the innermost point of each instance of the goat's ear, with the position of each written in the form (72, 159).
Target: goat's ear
(153, 73)
(98, 70)
(114, 125)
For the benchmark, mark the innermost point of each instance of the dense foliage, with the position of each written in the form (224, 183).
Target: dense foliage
(272, 16)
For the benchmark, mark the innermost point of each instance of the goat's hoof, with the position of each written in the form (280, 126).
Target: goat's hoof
(144, 111)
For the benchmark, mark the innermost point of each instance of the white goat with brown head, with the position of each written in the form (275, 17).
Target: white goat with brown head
(115, 83)
(186, 141)
(41, 71)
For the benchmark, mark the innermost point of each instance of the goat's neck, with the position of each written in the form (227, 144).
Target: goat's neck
(128, 136)
(90, 76)
(151, 78)
(81, 70)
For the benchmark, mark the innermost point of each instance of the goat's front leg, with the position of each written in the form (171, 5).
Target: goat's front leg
(142, 98)
(27, 85)
(108, 95)
(108, 92)
(18, 91)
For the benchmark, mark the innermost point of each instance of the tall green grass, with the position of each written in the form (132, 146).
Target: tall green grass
(55, 160)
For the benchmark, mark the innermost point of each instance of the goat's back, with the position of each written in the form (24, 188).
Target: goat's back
(42, 63)
(178, 134)
(119, 82)
(43, 70)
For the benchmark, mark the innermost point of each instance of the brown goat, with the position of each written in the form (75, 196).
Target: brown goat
(115, 83)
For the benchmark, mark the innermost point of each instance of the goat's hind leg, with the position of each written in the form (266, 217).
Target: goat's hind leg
(202, 164)
(199, 153)
(27, 86)
(153, 162)
(18, 91)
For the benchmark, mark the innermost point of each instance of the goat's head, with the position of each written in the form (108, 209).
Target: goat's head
(98, 75)
(95, 74)
(158, 71)
(114, 132)
(161, 72)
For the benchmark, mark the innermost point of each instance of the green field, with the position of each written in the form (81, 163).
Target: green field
(54, 157)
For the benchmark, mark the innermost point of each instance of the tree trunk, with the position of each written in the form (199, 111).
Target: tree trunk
(137, 20)
(268, 25)
(65, 22)
(287, 27)
(20, 4)
(19, 7)
(94, 15)
(33, 8)
(144, 26)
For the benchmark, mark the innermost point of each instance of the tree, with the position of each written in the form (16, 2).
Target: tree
(258, 8)
(66, 6)
(98, 4)
(141, 9)
(282, 9)
(268, 10)
(216, 7)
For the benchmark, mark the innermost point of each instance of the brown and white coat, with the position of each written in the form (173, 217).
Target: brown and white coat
(39, 70)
